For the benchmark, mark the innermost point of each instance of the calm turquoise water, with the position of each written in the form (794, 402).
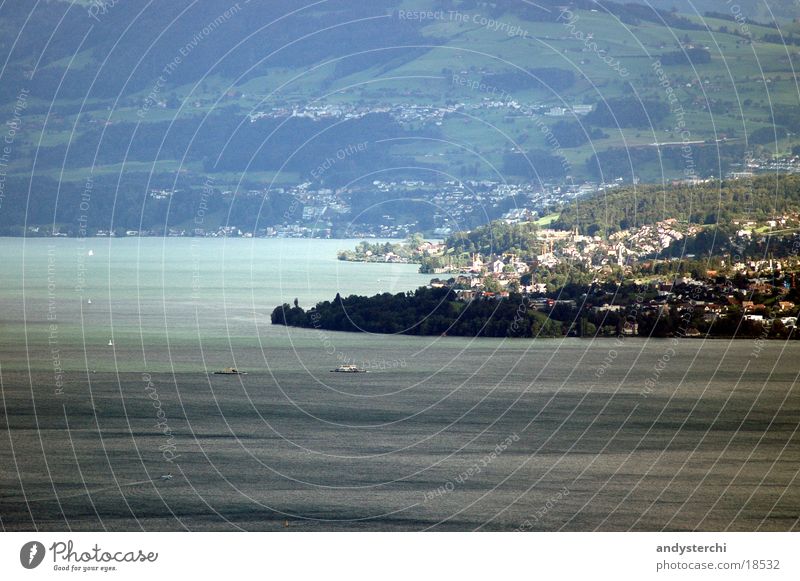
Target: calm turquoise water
(153, 291)
(443, 433)
(256, 271)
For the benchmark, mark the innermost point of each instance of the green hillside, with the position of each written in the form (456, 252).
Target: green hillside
(711, 203)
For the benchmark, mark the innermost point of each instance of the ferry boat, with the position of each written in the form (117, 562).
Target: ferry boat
(230, 371)
(348, 369)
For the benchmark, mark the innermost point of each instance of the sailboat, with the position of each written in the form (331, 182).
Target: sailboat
(89, 302)
(91, 253)
(110, 343)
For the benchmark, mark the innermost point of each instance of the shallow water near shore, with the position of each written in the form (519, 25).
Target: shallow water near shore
(441, 434)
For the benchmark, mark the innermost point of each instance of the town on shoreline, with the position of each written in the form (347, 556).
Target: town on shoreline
(714, 306)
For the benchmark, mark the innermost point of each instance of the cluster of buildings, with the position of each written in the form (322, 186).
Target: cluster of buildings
(767, 163)
(456, 205)
(757, 294)
(412, 113)
(762, 298)
(558, 247)
(650, 239)
(316, 211)
(405, 114)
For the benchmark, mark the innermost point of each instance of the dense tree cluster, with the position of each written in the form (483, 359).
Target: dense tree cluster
(548, 78)
(534, 164)
(786, 116)
(426, 311)
(708, 203)
(767, 135)
(573, 134)
(707, 159)
(628, 112)
(572, 311)
(695, 56)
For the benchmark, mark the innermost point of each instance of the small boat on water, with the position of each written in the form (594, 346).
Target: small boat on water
(348, 369)
(110, 343)
(230, 371)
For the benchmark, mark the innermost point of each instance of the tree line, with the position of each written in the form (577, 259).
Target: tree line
(713, 202)
(438, 311)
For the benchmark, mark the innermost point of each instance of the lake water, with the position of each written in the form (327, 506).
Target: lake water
(443, 433)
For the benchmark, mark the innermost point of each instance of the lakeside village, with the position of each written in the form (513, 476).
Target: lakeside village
(620, 282)
(319, 212)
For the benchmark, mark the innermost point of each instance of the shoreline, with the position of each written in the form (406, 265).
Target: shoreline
(617, 338)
